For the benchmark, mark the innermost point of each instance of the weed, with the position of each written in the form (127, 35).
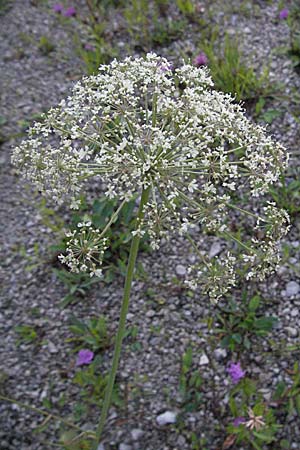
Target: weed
(288, 397)
(240, 322)
(287, 194)
(92, 333)
(186, 7)
(27, 334)
(190, 383)
(229, 72)
(293, 21)
(45, 45)
(77, 284)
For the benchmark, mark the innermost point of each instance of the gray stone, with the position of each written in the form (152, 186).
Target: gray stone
(215, 249)
(204, 360)
(52, 348)
(220, 353)
(136, 434)
(180, 270)
(295, 312)
(125, 447)
(292, 288)
(293, 332)
(166, 418)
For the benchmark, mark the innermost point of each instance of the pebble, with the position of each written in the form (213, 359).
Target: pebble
(136, 434)
(220, 353)
(292, 288)
(204, 360)
(100, 447)
(125, 447)
(294, 312)
(166, 418)
(180, 270)
(293, 332)
(215, 249)
(52, 348)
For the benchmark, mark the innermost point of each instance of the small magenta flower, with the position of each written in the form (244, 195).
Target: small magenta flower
(70, 12)
(58, 8)
(84, 356)
(283, 15)
(238, 421)
(200, 60)
(236, 372)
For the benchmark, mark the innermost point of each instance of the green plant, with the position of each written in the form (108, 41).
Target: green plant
(136, 14)
(230, 73)
(186, 7)
(77, 284)
(92, 333)
(143, 142)
(239, 322)
(293, 22)
(93, 384)
(287, 193)
(27, 334)
(190, 383)
(288, 397)
(166, 31)
(45, 45)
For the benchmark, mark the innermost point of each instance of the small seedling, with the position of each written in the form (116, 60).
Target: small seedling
(92, 333)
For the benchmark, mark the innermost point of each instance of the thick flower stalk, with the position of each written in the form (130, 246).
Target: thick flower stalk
(144, 129)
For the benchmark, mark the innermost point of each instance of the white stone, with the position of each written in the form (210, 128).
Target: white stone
(125, 447)
(100, 447)
(52, 348)
(136, 434)
(180, 270)
(215, 249)
(292, 288)
(220, 353)
(293, 332)
(295, 312)
(204, 360)
(166, 418)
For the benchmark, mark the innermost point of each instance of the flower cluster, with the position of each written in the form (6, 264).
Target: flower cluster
(140, 124)
(236, 372)
(85, 250)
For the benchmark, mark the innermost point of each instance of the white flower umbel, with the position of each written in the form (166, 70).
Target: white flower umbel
(138, 125)
(186, 149)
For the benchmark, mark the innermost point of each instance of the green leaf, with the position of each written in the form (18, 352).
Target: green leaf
(254, 303)
(263, 436)
(284, 443)
(237, 337)
(265, 323)
(271, 114)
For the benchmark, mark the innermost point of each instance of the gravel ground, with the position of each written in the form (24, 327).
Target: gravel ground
(168, 320)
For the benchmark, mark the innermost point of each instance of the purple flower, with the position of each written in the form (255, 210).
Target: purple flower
(238, 421)
(89, 47)
(236, 372)
(200, 60)
(284, 14)
(84, 356)
(70, 12)
(58, 8)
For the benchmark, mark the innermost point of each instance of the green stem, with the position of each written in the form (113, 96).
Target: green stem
(122, 322)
